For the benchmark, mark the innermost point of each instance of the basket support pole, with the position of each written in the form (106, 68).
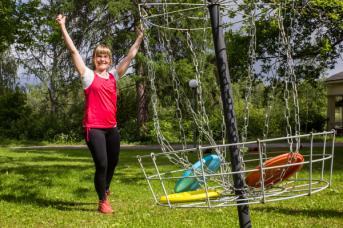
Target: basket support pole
(230, 120)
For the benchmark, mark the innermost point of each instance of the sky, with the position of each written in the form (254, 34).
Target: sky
(338, 67)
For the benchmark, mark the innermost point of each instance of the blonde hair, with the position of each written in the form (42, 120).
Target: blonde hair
(102, 49)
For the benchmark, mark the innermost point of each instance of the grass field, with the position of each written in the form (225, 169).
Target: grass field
(54, 188)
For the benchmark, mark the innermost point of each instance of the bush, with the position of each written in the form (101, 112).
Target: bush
(15, 115)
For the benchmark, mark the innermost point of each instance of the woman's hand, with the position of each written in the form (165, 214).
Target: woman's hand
(140, 31)
(61, 20)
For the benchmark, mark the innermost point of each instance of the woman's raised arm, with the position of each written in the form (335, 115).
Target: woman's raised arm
(77, 60)
(125, 63)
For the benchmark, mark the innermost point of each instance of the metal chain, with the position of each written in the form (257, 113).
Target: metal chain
(250, 73)
(290, 78)
(202, 114)
(165, 145)
(176, 82)
(294, 22)
(284, 42)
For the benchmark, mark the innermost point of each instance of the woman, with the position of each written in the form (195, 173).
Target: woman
(99, 121)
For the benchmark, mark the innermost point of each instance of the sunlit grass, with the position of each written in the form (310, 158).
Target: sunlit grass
(54, 188)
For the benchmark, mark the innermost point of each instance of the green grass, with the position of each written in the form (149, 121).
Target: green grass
(339, 139)
(54, 188)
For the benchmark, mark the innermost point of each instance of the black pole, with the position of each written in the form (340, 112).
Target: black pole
(229, 114)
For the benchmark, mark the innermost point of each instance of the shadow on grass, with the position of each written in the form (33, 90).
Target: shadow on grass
(29, 183)
(32, 176)
(45, 159)
(8, 142)
(42, 202)
(57, 151)
(317, 213)
(60, 159)
(40, 172)
(130, 180)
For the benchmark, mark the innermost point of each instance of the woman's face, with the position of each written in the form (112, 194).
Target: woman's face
(102, 62)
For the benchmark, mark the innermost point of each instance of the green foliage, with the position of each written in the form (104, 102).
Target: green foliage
(237, 49)
(168, 128)
(127, 109)
(7, 24)
(119, 7)
(313, 106)
(15, 115)
(66, 138)
(312, 109)
(8, 71)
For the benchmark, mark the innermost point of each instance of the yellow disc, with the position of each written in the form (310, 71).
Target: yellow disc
(190, 196)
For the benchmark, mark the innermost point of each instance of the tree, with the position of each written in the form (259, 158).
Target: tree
(315, 36)
(7, 24)
(41, 50)
(312, 39)
(14, 115)
(8, 71)
(9, 27)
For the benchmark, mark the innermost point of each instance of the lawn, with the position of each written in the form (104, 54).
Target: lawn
(54, 188)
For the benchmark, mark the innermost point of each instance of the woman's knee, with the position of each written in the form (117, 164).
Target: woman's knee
(101, 166)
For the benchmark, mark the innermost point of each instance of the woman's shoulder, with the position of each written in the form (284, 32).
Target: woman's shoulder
(87, 77)
(87, 72)
(114, 72)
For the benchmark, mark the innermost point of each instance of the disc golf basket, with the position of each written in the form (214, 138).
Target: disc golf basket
(228, 173)
(291, 175)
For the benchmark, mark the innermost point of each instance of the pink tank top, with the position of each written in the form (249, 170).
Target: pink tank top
(100, 103)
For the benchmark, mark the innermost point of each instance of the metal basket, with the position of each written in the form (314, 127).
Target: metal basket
(315, 175)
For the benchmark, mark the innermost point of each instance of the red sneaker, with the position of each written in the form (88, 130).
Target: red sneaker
(105, 207)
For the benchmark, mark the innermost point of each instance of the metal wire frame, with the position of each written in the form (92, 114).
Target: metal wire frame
(160, 180)
(226, 7)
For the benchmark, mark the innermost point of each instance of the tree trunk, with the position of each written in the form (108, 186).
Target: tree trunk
(141, 93)
(142, 105)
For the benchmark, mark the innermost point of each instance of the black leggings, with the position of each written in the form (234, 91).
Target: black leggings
(104, 145)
